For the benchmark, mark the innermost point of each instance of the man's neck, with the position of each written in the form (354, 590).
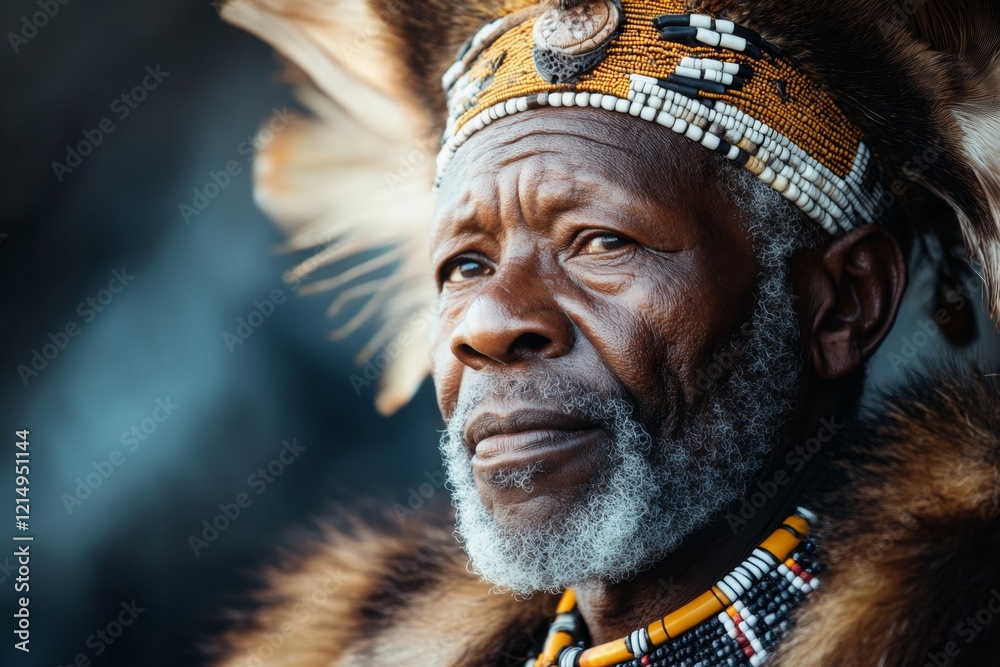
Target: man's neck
(611, 611)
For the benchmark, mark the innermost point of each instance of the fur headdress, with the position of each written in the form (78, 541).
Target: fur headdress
(916, 83)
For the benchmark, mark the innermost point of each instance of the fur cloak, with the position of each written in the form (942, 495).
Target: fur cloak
(910, 543)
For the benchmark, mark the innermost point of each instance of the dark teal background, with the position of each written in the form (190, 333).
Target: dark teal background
(162, 338)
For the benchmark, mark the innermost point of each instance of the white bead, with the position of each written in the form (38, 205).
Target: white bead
(568, 99)
(608, 103)
(595, 100)
(709, 37)
(829, 224)
(727, 591)
(665, 119)
(694, 133)
(700, 21)
(522, 104)
(510, 107)
(635, 108)
(710, 141)
(689, 72)
(543, 98)
(621, 106)
(641, 78)
(647, 113)
(555, 100)
(583, 99)
(732, 42)
(743, 577)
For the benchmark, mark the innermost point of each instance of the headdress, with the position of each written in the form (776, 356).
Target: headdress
(844, 108)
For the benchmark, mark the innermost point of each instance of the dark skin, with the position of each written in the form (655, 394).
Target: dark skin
(590, 246)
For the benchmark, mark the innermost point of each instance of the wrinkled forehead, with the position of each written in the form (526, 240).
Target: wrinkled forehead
(582, 149)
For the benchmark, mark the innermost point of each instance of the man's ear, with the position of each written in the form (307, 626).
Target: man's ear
(849, 290)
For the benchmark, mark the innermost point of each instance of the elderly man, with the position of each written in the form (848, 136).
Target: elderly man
(665, 239)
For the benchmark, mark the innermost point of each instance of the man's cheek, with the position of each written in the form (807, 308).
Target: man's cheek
(447, 374)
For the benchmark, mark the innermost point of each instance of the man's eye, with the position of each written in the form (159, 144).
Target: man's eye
(465, 270)
(604, 243)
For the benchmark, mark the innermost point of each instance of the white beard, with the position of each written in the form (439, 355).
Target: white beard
(647, 498)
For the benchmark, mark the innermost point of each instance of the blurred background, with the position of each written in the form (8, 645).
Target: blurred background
(124, 276)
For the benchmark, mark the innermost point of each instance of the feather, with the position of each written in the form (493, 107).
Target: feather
(354, 176)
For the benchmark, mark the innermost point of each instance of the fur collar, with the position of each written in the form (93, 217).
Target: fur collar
(909, 527)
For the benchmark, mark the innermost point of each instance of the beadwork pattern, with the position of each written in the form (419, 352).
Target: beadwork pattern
(706, 78)
(738, 622)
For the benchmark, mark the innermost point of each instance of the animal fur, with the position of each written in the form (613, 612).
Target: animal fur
(910, 535)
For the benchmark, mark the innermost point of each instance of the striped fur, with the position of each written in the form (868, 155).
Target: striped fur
(910, 532)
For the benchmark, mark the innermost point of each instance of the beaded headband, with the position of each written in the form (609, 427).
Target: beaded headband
(709, 79)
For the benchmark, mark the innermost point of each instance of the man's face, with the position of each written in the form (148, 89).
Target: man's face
(590, 272)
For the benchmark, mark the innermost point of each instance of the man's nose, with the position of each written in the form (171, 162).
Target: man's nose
(515, 318)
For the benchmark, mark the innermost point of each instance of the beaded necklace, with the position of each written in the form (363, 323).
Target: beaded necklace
(737, 622)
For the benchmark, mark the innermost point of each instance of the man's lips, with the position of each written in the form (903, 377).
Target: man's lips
(525, 435)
